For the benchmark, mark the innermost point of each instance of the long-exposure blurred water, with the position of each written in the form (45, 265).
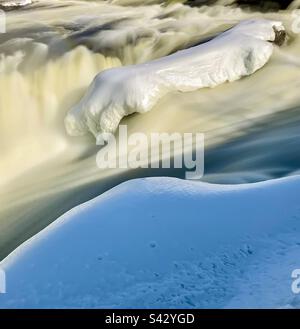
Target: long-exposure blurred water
(52, 50)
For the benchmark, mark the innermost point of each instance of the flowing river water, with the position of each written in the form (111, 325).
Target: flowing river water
(51, 52)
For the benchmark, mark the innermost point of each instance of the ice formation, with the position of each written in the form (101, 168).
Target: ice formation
(118, 92)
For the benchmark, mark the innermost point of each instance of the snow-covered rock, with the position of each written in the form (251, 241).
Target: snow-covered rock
(165, 242)
(118, 92)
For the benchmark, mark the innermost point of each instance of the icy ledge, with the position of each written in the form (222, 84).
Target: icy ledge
(165, 242)
(118, 92)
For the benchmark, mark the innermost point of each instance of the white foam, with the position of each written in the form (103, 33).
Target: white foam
(118, 92)
(15, 3)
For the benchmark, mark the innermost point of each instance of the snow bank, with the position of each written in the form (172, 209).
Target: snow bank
(118, 92)
(164, 242)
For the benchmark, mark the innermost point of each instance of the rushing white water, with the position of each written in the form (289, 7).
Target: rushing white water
(52, 51)
(14, 3)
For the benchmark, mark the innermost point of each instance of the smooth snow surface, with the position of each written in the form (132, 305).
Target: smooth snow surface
(164, 242)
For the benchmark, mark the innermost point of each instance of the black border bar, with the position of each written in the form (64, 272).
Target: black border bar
(162, 317)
